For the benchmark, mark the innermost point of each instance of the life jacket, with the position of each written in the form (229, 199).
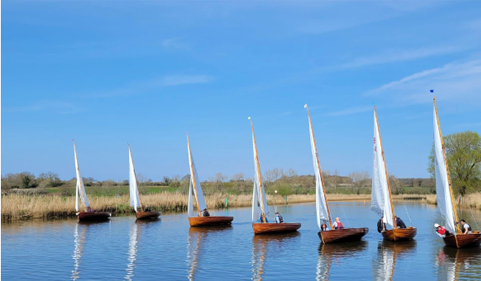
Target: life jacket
(281, 219)
(442, 230)
(469, 227)
(339, 225)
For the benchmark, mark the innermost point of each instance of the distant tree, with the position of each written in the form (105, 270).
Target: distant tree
(166, 181)
(238, 177)
(463, 153)
(49, 179)
(359, 180)
(396, 185)
(273, 175)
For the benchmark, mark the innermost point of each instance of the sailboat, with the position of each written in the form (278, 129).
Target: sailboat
(381, 202)
(259, 203)
(89, 214)
(444, 194)
(322, 207)
(199, 219)
(135, 195)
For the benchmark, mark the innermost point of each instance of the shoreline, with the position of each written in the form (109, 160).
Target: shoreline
(27, 207)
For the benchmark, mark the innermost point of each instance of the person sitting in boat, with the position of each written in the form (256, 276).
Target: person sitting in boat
(381, 226)
(279, 218)
(89, 209)
(262, 218)
(440, 230)
(466, 228)
(147, 209)
(338, 224)
(206, 213)
(323, 226)
(399, 222)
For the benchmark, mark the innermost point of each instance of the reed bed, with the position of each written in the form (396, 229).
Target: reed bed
(470, 201)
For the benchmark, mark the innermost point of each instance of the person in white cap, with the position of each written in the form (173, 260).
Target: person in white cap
(440, 230)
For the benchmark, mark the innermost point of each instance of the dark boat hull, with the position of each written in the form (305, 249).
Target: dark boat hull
(147, 215)
(93, 216)
(264, 228)
(342, 235)
(400, 234)
(212, 220)
(463, 240)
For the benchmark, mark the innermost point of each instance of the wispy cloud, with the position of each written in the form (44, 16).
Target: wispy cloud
(351, 110)
(174, 44)
(149, 85)
(457, 81)
(60, 107)
(399, 55)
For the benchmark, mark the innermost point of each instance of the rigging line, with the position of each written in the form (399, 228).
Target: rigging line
(472, 215)
(408, 215)
(344, 214)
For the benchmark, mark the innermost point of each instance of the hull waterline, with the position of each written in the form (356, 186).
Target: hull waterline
(212, 220)
(463, 240)
(93, 216)
(147, 215)
(399, 234)
(264, 228)
(342, 235)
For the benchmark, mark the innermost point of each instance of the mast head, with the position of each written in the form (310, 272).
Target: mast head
(305, 106)
(249, 118)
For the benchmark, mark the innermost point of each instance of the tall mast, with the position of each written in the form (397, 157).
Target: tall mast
(385, 170)
(136, 181)
(319, 166)
(447, 169)
(193, 175)
(78, 174)
(258, 173)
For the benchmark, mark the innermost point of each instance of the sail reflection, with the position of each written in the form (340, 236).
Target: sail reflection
(385, 263)
(329, 253)
(451, 262)
(196, 235)
(260, 243)
(79, 241)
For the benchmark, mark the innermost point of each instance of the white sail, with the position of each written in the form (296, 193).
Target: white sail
(134, 193)
(380, 200)
(80, 188)
(321, 202)
(190, 206)
(195, 183)
(443, 193)
(258, 192)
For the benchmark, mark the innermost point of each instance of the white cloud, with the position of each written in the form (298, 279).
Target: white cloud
(351, 110)
(52, 106)
(399, 55)
(174, 44)
(457, 81)
(186, 79)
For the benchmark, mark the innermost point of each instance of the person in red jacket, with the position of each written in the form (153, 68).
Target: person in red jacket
(338, 224)
(440, 230)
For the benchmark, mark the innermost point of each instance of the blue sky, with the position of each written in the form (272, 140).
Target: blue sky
(108, 73)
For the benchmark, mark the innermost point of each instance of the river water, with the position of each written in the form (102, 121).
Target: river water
(169, 249)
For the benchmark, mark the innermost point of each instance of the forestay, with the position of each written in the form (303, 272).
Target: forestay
(258, 197)
(321, 202)
(380, 200)
(134, 194)
(443, 193)
(194, 186)
(80, 188)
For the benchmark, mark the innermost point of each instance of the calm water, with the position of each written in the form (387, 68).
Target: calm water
(169, 249)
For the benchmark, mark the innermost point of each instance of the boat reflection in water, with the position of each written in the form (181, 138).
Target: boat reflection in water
(134, 234)
(388, 252)
(454, 264)
(196, 235)
(260, 243)
(329, 253)
(79, 241)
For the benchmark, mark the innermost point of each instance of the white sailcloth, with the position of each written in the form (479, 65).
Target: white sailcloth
(443, 193)
(194, 186)
(134, 194)
(380, 201)
(80, 188)
(321, 202)
(258, 191)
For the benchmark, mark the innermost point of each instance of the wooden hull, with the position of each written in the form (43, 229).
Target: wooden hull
(147, 215)
(342, 235)
(400, 234)
(463, 240)
(212, 220)
(93, 216)
(264, 228)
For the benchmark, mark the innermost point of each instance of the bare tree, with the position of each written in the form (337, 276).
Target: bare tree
(396, 185)
(359, 180)
(273, 175)
(238, 177)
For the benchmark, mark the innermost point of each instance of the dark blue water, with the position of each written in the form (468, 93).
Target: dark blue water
(169, 249)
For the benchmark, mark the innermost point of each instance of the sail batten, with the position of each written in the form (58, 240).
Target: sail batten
(380, 197)
(80, 188)
(443, 191)
(322, 208)
(133, 185)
